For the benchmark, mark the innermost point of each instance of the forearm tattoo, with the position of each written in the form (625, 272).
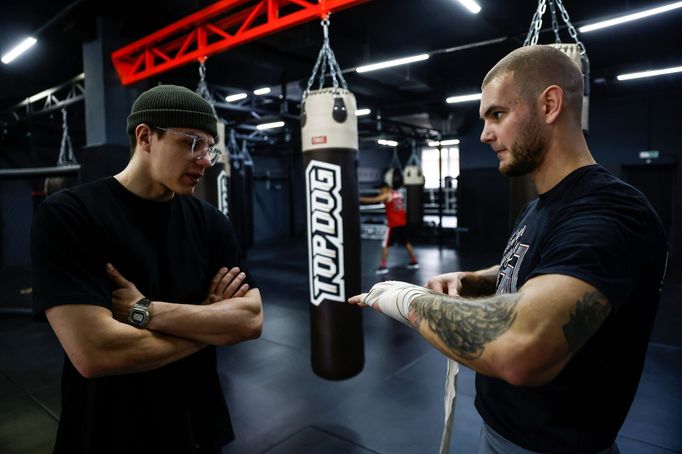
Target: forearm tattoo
(466, 326)
(589, 314)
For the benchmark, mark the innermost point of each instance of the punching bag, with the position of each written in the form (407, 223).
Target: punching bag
(329, 135)
(237, 192)
(214, 186)
(248, 196)
(414, 186)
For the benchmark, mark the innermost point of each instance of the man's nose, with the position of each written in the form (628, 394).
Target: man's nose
(486, 135)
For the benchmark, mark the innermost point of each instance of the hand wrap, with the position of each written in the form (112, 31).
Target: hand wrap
(394, 298)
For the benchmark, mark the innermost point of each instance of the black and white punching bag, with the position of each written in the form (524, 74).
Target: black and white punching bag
(248, 196)
(214, 186)
(413, 179)
(329, 135)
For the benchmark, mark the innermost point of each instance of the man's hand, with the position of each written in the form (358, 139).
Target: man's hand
(392, 298)
(226, 284)
(448, 283)
(125, 297)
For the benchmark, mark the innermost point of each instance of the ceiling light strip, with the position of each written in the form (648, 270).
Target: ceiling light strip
(19, 49)
(629, 17)
(650, 73)
(391, 63)
(471, 5)
(463, 98)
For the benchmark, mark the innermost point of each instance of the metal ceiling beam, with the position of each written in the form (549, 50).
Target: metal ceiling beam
(46, 101)
(214, 29)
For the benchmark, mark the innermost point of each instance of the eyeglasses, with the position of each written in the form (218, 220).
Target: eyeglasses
(199, 148)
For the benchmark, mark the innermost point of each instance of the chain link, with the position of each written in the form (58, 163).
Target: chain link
(555, 24)
(326, 58)
(66, 156)
(535, 25)
(202, 88)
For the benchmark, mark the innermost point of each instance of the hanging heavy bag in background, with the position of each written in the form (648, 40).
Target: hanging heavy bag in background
(414, 186)
(214, 186)
(330, 157)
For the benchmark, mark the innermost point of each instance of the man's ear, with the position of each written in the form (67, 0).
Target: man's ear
(552, 103)
(143, 135)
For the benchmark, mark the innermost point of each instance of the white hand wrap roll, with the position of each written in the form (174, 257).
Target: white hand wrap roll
(394, 298)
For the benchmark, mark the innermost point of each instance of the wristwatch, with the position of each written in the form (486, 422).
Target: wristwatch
(138, 315)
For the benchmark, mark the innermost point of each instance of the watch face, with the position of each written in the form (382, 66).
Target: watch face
(138, 317)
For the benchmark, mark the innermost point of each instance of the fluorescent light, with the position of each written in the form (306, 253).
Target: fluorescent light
(651, 73)
(236, 97)
(261, 91)
(630, 17)
(471, 5)
(18, 50)
(387, 143)
(361, 112)
(444, 142)
(274, 124)
(390, 63)
(463, 98)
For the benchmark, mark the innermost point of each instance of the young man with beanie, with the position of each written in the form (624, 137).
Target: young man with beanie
(140, 281)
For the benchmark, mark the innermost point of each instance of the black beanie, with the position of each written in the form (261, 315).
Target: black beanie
(171, 106)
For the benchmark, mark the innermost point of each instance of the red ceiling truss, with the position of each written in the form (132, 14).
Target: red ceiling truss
(216, 28)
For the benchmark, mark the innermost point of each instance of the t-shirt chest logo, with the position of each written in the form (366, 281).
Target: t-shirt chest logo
(514, 254)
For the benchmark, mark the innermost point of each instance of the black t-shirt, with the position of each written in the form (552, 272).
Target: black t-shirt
(596, 228)
(170, 251)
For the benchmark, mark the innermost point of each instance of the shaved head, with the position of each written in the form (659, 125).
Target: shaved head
(534, 68)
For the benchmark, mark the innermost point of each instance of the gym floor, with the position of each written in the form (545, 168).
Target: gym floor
(393, 406)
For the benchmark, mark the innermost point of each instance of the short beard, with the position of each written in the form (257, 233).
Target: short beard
(528, 152)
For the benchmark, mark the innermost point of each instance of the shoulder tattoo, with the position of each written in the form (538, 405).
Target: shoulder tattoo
(590, 312)
(466, 326)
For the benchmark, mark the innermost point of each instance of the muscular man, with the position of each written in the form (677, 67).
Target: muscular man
(140, 280)
(558, 332)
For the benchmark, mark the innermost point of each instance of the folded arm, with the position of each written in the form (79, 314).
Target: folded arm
(231, 312)
(224, 322)
(98, 345)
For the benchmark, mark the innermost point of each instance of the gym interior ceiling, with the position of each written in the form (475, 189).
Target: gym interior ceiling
(370, 32)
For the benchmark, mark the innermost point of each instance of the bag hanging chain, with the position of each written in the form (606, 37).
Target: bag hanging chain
(414, 159)
(66, 156)
(326, 58)
(536, 25)
(202, 87)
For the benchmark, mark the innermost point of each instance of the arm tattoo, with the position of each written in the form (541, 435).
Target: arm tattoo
(589, 314)
(466, 326)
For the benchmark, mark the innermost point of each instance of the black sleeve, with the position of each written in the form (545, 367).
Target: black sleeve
(67, 267)
(599, 246)
(226, 250)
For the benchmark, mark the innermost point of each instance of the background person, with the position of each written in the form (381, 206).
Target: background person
(396, 219)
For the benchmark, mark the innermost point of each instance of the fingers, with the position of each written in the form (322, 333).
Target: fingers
(231, 283)
(358, 300)
(436, 284)
(242, 291)
(116, 277)
(227, 283)
(452, 290)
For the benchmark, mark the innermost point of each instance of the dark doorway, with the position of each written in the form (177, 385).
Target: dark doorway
(658, 183)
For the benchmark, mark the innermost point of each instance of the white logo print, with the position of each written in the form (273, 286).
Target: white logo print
(325, 232)
(511, 263)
